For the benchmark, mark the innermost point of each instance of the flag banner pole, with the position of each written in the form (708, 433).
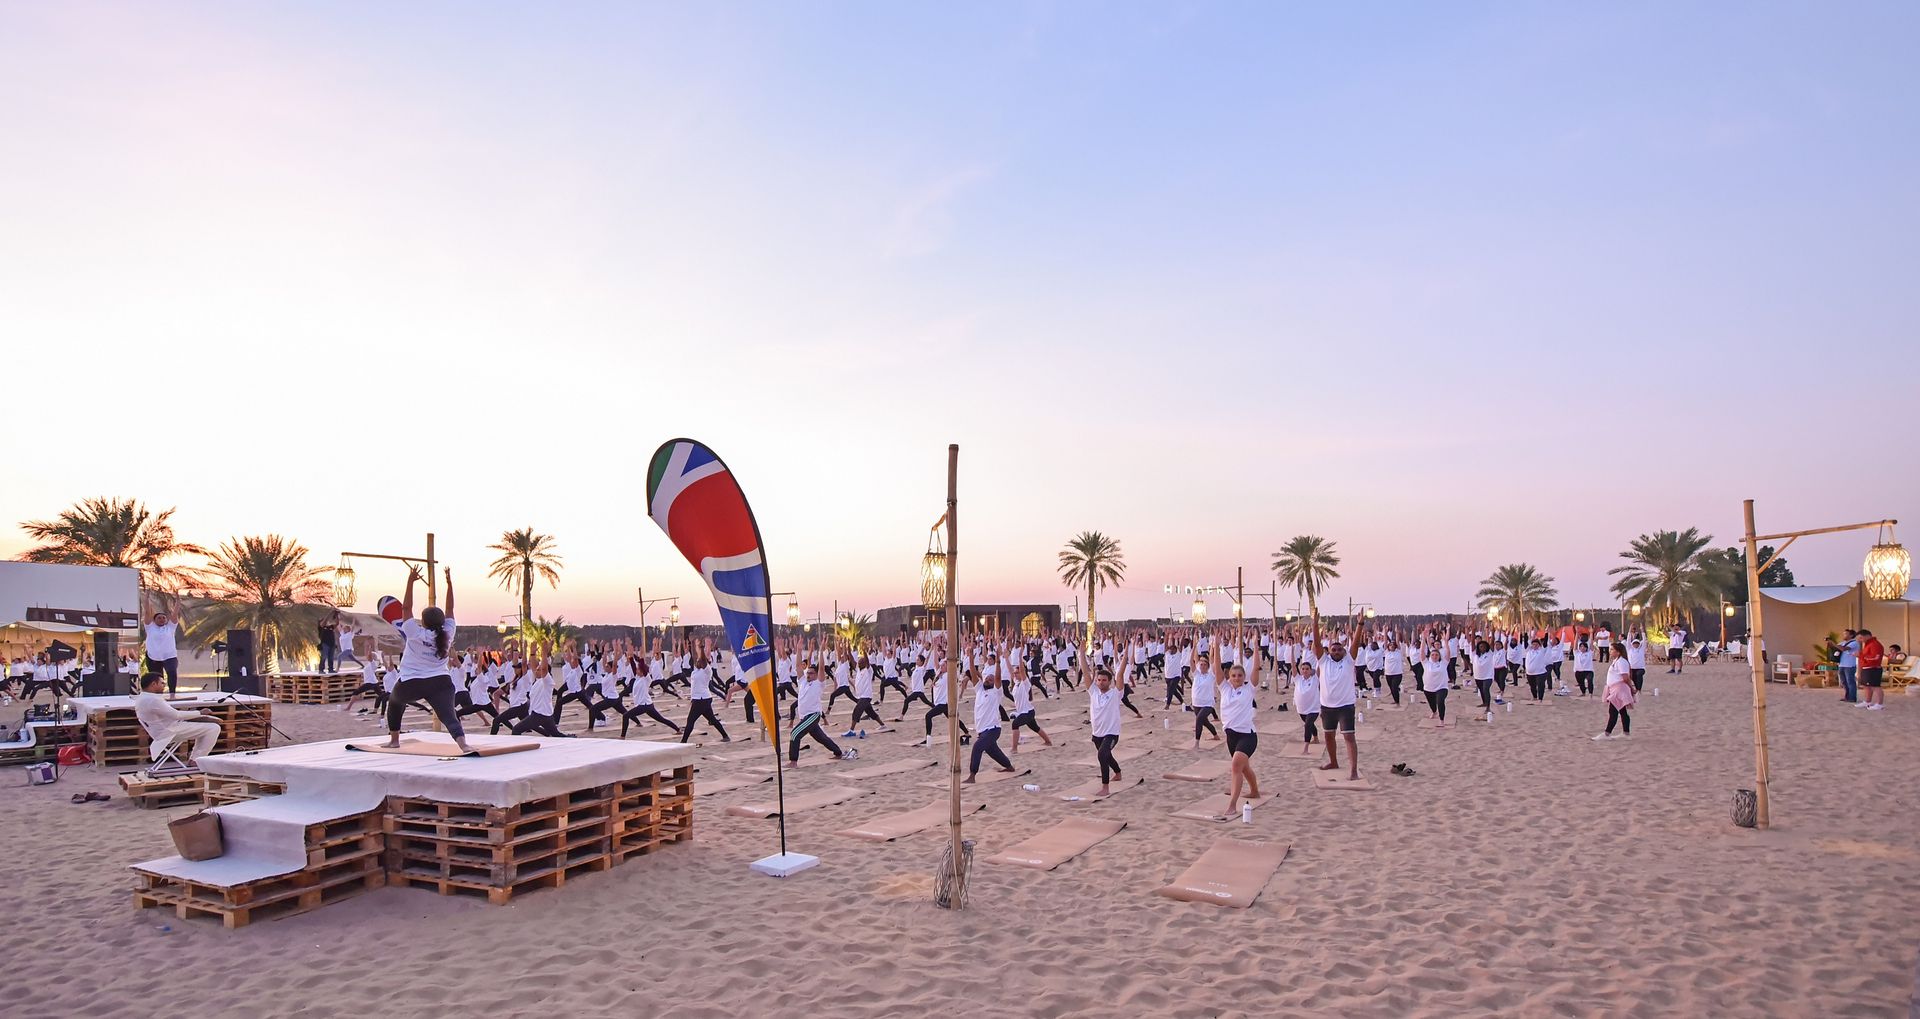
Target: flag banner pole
(694, 497)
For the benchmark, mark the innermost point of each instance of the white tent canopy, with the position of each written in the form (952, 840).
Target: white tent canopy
(1798, 619)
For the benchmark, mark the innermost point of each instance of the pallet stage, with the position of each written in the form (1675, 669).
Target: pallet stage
(313, 687)
(492, 827)
(193, 789)
(117, 739)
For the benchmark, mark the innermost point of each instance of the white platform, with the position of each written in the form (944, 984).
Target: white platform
(329, 770)
(785, 864)
(184, 701)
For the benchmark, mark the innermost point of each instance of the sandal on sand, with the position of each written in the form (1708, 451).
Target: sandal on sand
(98, 797)
(80, 797)
(1402, 770)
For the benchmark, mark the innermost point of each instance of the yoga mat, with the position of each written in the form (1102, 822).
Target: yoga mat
(797, 802)
(1086, 792)
(738, 756)
(813, 761)
(434, 748)
(1338, 780)
(987, 776)
(1231, 872)
(883, 770)
(1058, 844)
(1206, 769)
(727, 785)
(888, 827)
(1120, 756)
(1214, 808)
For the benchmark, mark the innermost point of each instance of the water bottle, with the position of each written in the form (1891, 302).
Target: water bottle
(1509, 707)
(1166, 723)
(1359, 717)
(1246, 813)
(1030, 787)
(1656, 691)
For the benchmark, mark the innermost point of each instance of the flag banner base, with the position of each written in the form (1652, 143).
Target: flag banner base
(785, 864)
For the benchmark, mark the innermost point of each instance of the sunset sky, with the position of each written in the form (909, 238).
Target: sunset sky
(1454, 285)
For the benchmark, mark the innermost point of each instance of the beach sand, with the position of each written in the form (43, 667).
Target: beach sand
(1524, 871)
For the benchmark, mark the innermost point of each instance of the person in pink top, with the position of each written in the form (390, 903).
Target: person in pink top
(1619, 697)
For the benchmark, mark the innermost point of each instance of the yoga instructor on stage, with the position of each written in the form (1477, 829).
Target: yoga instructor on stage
(424, 673)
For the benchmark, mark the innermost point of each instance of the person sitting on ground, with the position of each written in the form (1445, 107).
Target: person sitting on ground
(167, 724)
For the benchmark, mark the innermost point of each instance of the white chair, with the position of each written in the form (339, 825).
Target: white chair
(165, 755)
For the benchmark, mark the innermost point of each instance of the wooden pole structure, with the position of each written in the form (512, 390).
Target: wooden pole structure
(1239, 612)
(953, 669)
(433, 581)
(1756, 659)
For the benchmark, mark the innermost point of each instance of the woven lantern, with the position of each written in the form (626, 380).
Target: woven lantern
(1199, 612)
(793, 612)
(343, 589)
(1888, 570)
(933, 573)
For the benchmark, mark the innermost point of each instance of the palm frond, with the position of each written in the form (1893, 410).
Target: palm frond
(114, 532)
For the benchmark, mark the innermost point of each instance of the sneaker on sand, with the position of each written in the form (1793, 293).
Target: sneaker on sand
(1602, 736)
(1876, 707)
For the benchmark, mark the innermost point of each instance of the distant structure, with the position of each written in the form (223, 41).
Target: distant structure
(1026, 620)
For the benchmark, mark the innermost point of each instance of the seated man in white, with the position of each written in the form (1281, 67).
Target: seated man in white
(167, 724)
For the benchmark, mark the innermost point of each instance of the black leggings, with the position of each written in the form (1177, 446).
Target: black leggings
(1173, 692)
(1486, 693)
(597, 709)
(988, 743)
(1311, 722)
(1537, 685)
(894, 683)
(1126, 701)
(466, 706)
(544, 725)
(935, 712)
(1203, 717)
(508, 718)
(834, 698)
(702, 707)
(1393, 686)
(640, 711)
(437, 691)
(1103, 749)
(1584, 679)
(1619, 715)
(810, 726)
(863, 706)
(914, 696)
(1437, 702)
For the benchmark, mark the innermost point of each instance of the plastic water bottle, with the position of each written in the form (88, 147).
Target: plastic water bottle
(1359, 717)
(1030, 787)
(1509, 707)
(1166, 723)
(1246, 813)
(1656, 691)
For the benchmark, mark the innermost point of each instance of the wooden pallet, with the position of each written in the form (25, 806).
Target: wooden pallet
(117, 739)
(170, 791)
(552, 874)
(314, 688)
(271, 898)
(223, 789)
(652, 811)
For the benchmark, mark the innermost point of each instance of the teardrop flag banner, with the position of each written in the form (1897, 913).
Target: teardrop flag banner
(695, 499)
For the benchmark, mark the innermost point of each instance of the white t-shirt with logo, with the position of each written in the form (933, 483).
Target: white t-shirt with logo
(417, 657)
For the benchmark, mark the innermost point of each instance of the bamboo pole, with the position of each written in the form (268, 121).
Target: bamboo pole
(953, 670)
(1762, 815)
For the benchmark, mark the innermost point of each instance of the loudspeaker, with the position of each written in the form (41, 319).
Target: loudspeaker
(243, 673)
(106, 665)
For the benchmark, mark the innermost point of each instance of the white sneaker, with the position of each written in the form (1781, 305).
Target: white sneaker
(1600, 737)
(1863, 704)
(1876, 707)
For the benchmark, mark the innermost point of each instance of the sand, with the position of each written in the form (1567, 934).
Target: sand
(1525, 871)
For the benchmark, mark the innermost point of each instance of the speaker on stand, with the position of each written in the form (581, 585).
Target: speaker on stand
(106, 665)
(243, 674)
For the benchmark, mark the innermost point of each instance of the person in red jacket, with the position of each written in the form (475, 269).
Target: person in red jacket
(1873, 662)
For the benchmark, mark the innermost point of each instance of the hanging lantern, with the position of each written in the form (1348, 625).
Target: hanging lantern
(1238, 610)
(793, 612)
(933, 573)
(1070, 619)
(1199, 612)
(673, 613)
(1369, 613)
(343, 580)
(1888, 570)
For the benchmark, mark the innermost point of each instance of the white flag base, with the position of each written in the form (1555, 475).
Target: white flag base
(785, 864)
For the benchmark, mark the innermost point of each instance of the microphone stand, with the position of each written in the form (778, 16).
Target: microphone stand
(254, 713)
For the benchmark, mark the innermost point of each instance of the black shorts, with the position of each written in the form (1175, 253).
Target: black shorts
(1242, 742)
(1871, 677)
(1674, 654)
(1338, 719)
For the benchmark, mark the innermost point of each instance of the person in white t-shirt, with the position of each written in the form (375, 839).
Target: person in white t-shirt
(1205, 700)
(162, 643)
(423, 674)
(1238, 716)
(986, 726)
(1103, 710)
(1337, 697)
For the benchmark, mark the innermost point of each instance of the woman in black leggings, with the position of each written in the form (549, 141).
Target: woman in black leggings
(1433, 681)
(424, 673)
(700, 695)
(806, 701)
(986, 720)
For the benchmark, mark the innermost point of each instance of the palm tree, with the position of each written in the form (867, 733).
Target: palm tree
(1307, 563)
(1520, 591)
(523, 554)
(1095, 560)
(264, 584)
(1671, 573)
(858, 631)
(552, 634)
(113, 532)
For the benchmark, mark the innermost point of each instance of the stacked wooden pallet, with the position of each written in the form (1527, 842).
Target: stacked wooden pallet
(652, 811)
(459, 848)
(166, 791)
(220, 789)
(343, 859)
(117, 739)
(313, 687)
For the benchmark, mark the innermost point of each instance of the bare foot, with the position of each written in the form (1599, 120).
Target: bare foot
(1006, 769)
(392, 741)
(967, 781)
(1102, 794)
(1354, 775)
(1328, 767)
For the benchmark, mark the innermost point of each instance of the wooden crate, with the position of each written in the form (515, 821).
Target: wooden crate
(170, 791)
(344, 857)
(652, 811)
(217, 790)
(313, 687)
(118, 740)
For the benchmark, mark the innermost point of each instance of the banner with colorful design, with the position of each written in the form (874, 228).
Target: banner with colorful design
(694, 498)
